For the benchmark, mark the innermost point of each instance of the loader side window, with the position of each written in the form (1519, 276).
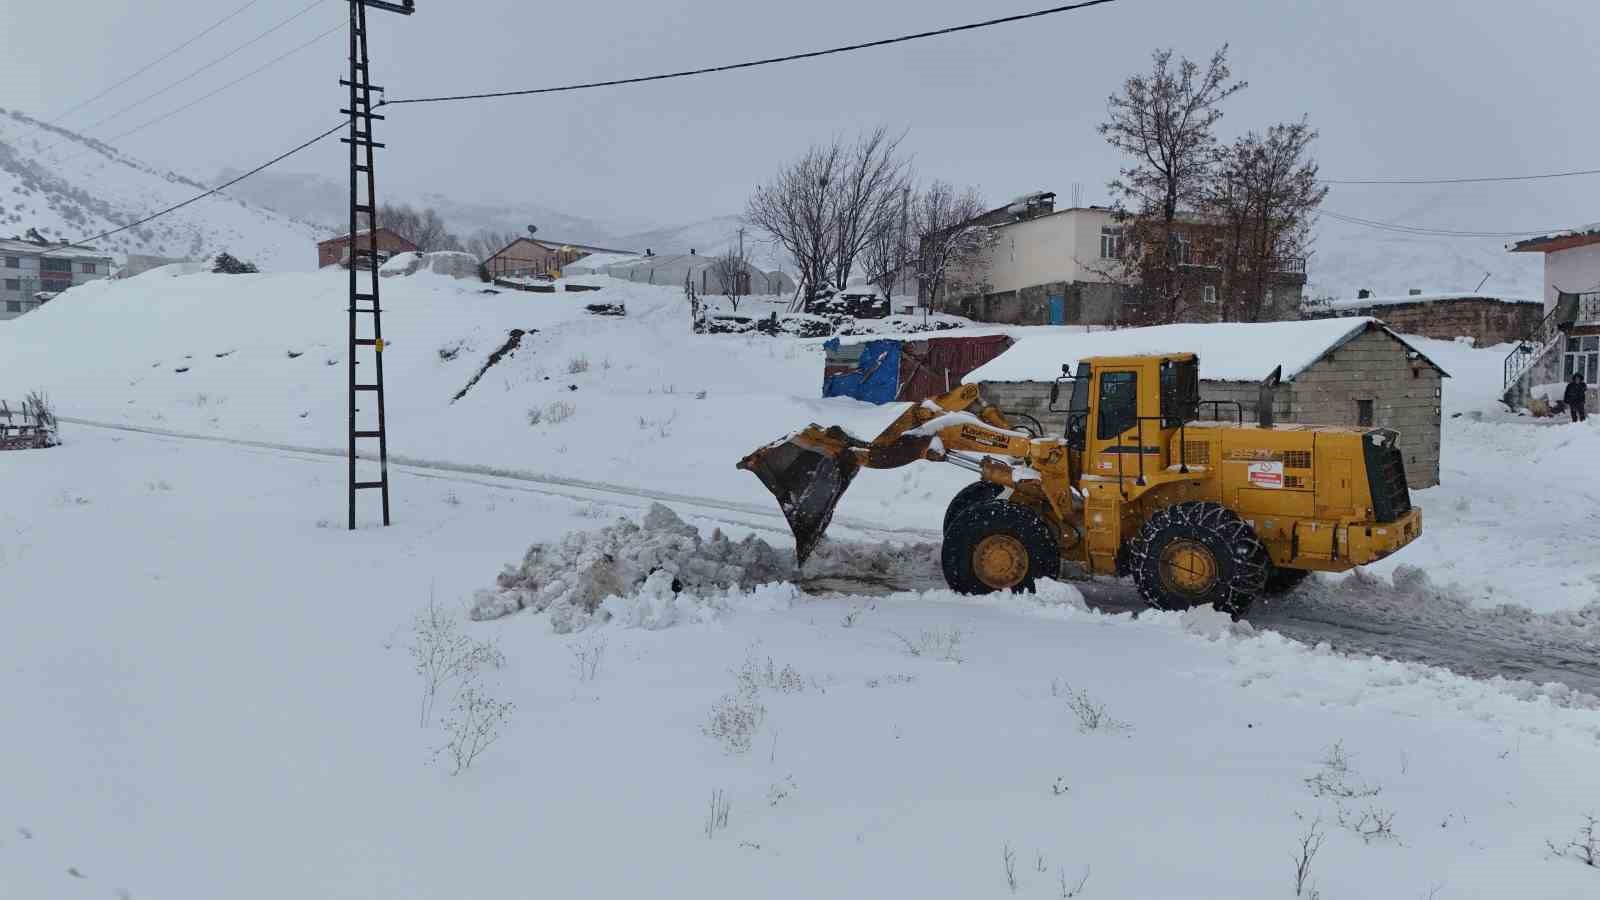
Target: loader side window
(1078, 409)
(1119, 403)
(1180, 392)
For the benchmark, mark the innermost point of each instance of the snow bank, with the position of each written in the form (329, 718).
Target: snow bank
(1228, 351)
(660, 572)
(1393, 300)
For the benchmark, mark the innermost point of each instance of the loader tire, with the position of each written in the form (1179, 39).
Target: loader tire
(1198, 553)
(1282, 581)
(994, 545)
(976, 492)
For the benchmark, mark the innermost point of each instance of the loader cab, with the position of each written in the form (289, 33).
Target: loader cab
(1123, 412)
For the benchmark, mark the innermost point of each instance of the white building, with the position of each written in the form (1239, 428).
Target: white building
(1567, 341)
(31, 273)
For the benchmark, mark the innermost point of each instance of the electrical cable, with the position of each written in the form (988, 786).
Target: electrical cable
(1430, 231)
(1480, 180)
(198, 197)
(160, 59)
(750, 64)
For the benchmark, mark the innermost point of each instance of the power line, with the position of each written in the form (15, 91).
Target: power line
(1430, 231)
(202, 98)
(1479, 180)
(772, 60)
(198, 197)
(160, 59)
(189, 77)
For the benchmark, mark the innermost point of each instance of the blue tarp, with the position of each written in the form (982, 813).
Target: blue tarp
(876, 377)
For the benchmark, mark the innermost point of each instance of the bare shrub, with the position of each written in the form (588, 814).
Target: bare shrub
(736, 718)
(767, 675)
(443, 654)
(938, 643)
(535, 415)
(1009, 857)
(473, 724)
(780, 791)
(1371, 824)
(1090, 713)
(1584, 847)
(662, 427)
(587, 652)
(1338, 777)
(577, 365)
(854, 614)
(559, 412)
(1310, 844)
(717, 813)
(1070, 889)
(451, 350)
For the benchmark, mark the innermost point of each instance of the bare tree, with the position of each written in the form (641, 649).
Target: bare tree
(732, 271)
(1262, 199)
(794, 209)
(1165, 121)
(425, 227)
(867, 199)
(951, 243)
(486, 242)
(888, 255)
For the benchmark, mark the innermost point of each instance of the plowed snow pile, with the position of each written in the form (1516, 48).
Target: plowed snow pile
(660, 571)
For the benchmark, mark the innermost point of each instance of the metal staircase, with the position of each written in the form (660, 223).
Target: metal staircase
(1532, 349)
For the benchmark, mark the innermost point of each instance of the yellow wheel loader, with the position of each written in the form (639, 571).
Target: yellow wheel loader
(1196, 512)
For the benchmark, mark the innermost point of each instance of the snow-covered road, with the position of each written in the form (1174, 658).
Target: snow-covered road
(1405, 619)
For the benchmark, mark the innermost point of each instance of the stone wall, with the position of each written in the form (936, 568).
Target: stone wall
(1487, 320)
(1087, 303)
(1404, 394)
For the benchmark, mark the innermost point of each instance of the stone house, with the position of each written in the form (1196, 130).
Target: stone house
(1048, 266)
(1343, 371)
(1487, 320)
(335, 251)
(1566, 341)
(33, 272)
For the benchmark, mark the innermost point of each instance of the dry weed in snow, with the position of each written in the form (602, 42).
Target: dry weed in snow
(717, 814)
(1338, 778)
(938, 643)
(1090, 713)
(443, 655)
(559, 412)
(1070, 889)
(1584, 847)
(577, 365)
(1370, 824)
(1009, 857)
(1310, 844)
(586, 656)
(473, 724)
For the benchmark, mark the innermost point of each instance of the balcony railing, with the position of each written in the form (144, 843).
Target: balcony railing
(1278, 265)
(1292, 264)
(1589, 309)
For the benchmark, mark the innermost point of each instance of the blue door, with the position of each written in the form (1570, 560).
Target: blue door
(1058, 309)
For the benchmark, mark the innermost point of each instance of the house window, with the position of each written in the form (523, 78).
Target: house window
(13, 284)
(14, 306)
(1110, 242)
(1582, 357)
(1185, 250)
(13, 262)
(1363, 412)
(87, 268)
(49, 264)
(1209, 293)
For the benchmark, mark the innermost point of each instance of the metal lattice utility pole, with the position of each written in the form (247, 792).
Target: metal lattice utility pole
(364, 303)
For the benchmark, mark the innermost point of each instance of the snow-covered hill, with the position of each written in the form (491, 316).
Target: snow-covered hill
(69, 187)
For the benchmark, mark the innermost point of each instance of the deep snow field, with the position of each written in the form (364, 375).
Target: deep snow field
(211, 689)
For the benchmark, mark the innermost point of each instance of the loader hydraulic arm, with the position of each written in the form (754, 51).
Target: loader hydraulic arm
(810, 470)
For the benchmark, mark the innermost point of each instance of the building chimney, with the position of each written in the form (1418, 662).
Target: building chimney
(1363, 294)
(1415, 292)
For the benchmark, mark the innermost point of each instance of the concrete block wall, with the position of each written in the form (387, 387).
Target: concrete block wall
(1487, 320)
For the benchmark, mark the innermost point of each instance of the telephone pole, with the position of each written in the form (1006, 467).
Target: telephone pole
(365, 302)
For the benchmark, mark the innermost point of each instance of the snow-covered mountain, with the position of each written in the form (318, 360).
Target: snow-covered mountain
(1347, 258)
(69, 187)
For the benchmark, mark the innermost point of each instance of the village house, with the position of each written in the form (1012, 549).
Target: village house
(1333, 372)
(336, 251)
(1488, 320)
(539, 258)
(1566, 341)
(33, 272)
(1048, 266)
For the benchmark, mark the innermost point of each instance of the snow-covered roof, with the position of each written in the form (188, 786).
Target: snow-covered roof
(596, 261)
(1229, 351)
(1395, 299)
(57, 250)
(1560, 240)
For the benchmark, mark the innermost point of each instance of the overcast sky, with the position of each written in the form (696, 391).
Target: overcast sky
(1397, 89)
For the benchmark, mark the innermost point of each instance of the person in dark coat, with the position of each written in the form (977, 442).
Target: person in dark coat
(1577, 392)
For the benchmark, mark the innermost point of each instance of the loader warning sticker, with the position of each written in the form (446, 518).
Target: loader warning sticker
(1266, 474)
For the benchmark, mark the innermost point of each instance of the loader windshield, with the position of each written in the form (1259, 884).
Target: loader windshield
(1078, 408)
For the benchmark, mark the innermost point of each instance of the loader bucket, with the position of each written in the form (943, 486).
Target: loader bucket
(807, 473)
